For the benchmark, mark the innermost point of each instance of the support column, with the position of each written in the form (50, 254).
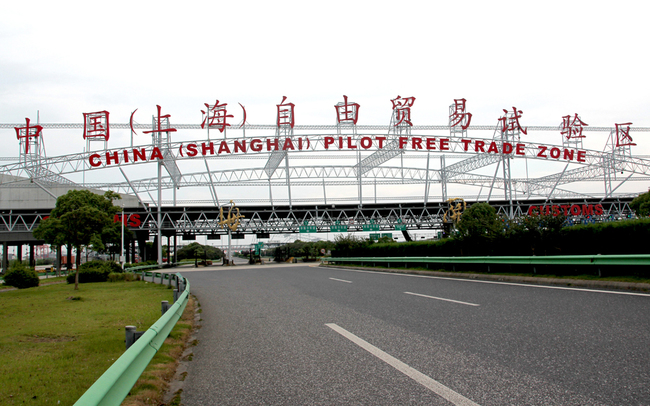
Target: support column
(19, 252)
(32, 260)
(5, 256)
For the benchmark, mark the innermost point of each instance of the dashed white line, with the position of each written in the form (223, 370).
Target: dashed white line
(340, 280)
(442, 298)
(429, 383)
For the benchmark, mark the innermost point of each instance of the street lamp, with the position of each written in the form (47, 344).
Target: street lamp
(122, 247)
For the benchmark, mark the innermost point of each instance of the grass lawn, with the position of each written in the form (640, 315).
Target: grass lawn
(56, 341)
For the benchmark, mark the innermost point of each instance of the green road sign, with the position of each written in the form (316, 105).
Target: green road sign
(308, 229)
(389, 235)
(374, 237)
(400, 227)
(370, 227)
(338, 229)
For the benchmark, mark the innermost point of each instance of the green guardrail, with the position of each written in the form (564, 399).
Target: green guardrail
(595, 260)
(114, 385)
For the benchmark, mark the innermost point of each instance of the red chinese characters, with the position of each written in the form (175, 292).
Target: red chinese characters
(216, 116)
(28, 132)
(162, 124)
(347, 112)
(623, 138)
(285, 113)
(458, 115)
(572, 128)
(96, 125)
(402, 110)
(510, 122)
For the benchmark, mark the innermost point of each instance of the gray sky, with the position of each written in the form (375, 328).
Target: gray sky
(550, 59)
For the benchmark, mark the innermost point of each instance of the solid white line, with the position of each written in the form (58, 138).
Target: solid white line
(341, 280)
(441, 298)
(429, 383)
(520, 284)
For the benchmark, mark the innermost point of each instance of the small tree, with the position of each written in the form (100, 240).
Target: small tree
(641, 204)
(79, 217)
(479, 225)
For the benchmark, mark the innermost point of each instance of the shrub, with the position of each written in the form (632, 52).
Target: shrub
(21, 277)
(123, 277)
(95, 271)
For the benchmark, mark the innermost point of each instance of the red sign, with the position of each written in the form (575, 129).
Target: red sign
(566, 209)
(572, 128)
(511, 122)
(28, 132)
(623, 135)
(159, 124)
(459, 115)
(402, 109)
(216, 116)
(96, 125)
(347, 112)
(285, 113)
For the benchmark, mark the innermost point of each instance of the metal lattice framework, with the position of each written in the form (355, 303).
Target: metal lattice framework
(337, 165)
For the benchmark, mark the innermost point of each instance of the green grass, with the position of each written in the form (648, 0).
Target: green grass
(56, 341)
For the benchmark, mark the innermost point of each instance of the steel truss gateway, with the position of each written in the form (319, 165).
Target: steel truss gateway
(334, 178)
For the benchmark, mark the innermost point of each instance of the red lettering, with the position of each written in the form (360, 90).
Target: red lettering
(327, 141)
(204, 149)
(582, 156)
(380, 140)
(556, 211)
(416, 143)
(112, 157)
(139, 155)
(493, 148)
(134, 220)
(431, 143)
(565, 209)
(366, 142)
(95, 160)
(587, 209)
(402, 142)
(568, 154)
(256, 145)
(532, 211)
(555, 153)
(125, 153)
(223, 147)
(240, 146)
(192, 150)
(575, 210)
(444, 144)
(155, 154)
(541, 153)
(288, 144)
(350, 146)
(466, 144)
(520, 149)
(272, 143)
(507, 148)
(598, 210)
(478, 146)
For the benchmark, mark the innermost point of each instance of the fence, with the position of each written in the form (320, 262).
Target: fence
(113, 386)
(595, 261)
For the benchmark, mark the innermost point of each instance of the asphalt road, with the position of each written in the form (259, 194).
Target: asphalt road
(299, 335)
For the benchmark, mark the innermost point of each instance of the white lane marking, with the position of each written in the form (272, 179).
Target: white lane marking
(429, 383)
(341, 280)
(520, 284)
(442, 298)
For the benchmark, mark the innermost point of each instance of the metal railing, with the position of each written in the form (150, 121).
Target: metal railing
(114, 385)
(581, 260)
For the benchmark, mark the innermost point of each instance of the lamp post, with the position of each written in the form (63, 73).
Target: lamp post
(122, 246)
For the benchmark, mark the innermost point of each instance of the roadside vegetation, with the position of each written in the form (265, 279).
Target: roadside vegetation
(56, 341)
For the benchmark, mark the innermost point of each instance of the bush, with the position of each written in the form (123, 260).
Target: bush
(21, 277)
(123, 277)
(95, 271)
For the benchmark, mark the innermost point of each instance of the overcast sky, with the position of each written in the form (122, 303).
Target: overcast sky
(550, 59)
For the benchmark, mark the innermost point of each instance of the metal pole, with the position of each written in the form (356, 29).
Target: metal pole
(122, 249)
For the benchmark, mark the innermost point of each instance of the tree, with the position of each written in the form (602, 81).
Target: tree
(481, 223)
(641, 204)
(196, 250)
(78, 220)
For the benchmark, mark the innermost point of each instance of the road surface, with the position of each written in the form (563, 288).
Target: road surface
(301, 335)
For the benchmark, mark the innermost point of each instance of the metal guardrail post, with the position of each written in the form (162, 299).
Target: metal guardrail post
(164, 305)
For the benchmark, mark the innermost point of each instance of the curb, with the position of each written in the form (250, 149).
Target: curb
(594, 284)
